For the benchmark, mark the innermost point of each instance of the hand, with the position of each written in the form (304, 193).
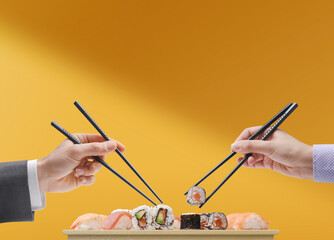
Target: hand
(70, 165)
(280, 152)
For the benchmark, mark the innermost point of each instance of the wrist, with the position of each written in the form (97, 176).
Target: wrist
(42, 175)
(307, 160)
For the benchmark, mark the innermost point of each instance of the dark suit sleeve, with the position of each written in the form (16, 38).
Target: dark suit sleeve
(15, 203)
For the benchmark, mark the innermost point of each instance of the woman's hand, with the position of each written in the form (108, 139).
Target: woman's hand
(68, 166)
(280, 152)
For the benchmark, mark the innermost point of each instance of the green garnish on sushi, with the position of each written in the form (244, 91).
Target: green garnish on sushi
(140, 214)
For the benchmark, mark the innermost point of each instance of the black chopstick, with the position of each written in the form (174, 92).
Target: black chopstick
(256, 134)
(90, 119)
(265, 137)
(76, 141)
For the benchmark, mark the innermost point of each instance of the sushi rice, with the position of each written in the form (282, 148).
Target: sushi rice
(162, 217)
(205, 220)
(217, 221)
(145, 219)
(196, 196)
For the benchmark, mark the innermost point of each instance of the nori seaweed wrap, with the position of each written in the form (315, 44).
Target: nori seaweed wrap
(190, 221)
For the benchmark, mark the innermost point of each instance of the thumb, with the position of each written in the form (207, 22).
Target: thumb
(92, 149)
(253, 146)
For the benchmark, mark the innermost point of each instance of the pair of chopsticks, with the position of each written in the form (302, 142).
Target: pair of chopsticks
(76, 141)
(280, 118)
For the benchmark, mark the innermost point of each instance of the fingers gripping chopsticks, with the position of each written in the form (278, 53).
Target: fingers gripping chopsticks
(277, 120)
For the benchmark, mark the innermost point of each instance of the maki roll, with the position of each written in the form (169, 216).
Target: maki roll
(217, 221)
(205, 221)
(196, 196)
(118, 220)
(190, 221)
(141, 217)
(162, 217)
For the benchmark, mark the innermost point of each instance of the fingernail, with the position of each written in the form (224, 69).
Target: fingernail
(79, 172)
(235, 146)
(110, 145)
(83, 180)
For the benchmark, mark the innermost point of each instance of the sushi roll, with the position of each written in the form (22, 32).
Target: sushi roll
(118, 220)
(190, 221)
(162, 217)
(88, 221)
(247, 221)
(217, 221)
(196, 196)
(177, 223)
(205, 221)
(141, 217)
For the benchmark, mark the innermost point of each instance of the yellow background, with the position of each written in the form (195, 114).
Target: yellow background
(176, 82)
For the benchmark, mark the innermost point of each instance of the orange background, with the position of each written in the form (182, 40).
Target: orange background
(176, 82)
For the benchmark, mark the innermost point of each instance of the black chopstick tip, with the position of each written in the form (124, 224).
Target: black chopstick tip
(55, 125)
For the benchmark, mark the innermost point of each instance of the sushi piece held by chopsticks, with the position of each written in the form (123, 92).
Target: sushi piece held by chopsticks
(196, 196)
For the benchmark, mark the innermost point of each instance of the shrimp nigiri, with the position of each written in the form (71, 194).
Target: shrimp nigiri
(247, 221)
(89, 221)
(118, 220)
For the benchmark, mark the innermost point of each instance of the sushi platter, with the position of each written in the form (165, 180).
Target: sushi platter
(156, 222)
(170, 235)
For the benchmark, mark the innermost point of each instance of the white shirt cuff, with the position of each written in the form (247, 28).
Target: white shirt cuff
(37, 199)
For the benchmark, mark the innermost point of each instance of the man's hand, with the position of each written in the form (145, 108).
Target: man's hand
(281, 153)
(70, 165)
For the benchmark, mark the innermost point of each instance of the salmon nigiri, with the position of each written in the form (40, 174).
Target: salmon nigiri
(118, 220)
(89, 221)
(247, 221)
